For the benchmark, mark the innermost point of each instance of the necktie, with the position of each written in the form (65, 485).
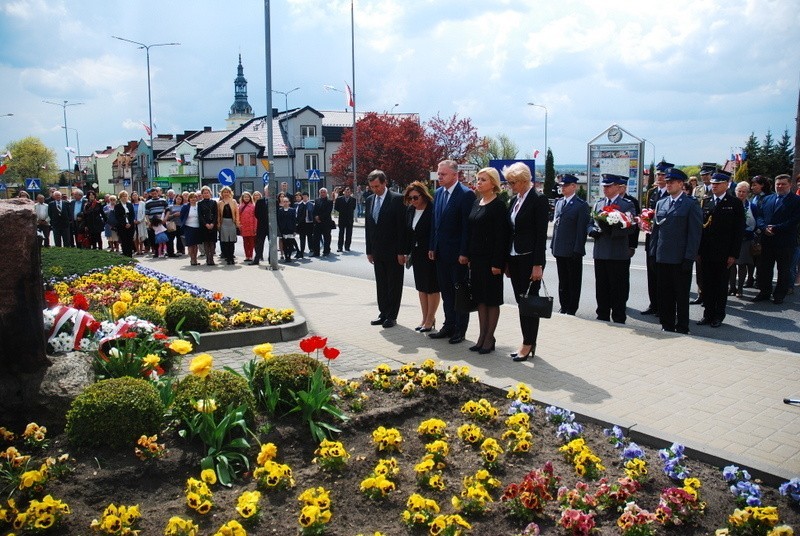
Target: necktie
(671, 204)
(778, 202)
(59, 206)
(517, 205)
(376, 208)
(440, 208)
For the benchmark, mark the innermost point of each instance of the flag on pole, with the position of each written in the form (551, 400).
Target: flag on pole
(3, 168)
(349, 100)
(535, 153)
(146, 128)
(178, 158)
(70, 149)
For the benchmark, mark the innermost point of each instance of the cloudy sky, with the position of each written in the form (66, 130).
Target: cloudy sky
(693, 77)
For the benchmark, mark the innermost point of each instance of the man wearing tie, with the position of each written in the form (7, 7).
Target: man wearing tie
(777, 220)
(702, 193)
(323, 224)
(305, 224)
(449, 241)
(58, 209)
(677, 228)
(75, 212)
(658, 191)
(385, 236)
(723, 227)
(568, 245)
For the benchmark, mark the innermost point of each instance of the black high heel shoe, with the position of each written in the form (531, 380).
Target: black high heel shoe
(484, 351)
(423, 329)
(475, 348)
(518, 358)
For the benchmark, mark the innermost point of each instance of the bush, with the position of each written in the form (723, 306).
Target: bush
(146, 312)
(224, 387)
(288, 371)
(63, 262)
(194, 310)
(114, 413)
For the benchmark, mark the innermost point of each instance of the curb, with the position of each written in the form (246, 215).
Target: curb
(220, 340)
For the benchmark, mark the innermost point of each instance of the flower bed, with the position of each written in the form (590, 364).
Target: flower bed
(110, 293)
(426, 448)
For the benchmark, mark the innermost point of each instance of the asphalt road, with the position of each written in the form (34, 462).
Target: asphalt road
(748, 325)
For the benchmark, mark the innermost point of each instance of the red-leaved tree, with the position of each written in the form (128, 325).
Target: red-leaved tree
(399, 146)
(455, 138)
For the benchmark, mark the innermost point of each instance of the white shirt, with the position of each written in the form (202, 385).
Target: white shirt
(192, 219)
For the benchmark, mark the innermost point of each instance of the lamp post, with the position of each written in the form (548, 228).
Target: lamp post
(545, 125)
(288, 133)
(66, 130)
(149, 97)
(78, 141)
(396, 104)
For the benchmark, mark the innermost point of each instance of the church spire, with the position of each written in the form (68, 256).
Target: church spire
(241, 111)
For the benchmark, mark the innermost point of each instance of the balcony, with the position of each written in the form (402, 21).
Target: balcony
(308, 142)
(246, 171)
(183, 170)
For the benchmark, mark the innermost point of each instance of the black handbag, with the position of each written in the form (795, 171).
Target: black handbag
(464, 303)
(535, 306)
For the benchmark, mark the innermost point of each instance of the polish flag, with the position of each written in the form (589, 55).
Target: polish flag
(146, 128)
(349, 100)
(3, 168)
(535, 153)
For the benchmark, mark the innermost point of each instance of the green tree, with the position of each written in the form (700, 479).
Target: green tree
(784, 154)
(30, 158)
(549, 175)
(500, 148)
(742, 172)
(767, 160)
(752, 150)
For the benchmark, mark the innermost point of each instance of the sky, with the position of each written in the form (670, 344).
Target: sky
(693, 77)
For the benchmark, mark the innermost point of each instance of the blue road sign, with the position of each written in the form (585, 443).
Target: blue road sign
(265, 178)
(33, 184)
(297, 185)
(313, 175)
(3, 187)
(226, 177)
(126, 182)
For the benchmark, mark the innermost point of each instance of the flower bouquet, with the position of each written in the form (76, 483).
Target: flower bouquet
(645, 220)
(611, 217)
(69, 327)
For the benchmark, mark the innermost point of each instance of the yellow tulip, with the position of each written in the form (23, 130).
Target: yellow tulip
(201, 365)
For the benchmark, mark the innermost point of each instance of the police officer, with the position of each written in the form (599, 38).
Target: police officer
(612, 252)
(677, 228)
(570, 225)
(658, 191)
(723, 227)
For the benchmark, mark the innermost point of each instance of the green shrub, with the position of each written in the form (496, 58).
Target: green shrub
(194, 310)
(224, 387)
(114, 413)
(63, 262)
(288, 372)
(146, 312)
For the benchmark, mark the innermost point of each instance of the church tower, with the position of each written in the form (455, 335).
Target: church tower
(241, 111)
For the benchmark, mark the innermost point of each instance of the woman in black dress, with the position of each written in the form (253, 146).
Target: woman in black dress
(487, 252)
(418, 235)
(126, 223)
(94, 220)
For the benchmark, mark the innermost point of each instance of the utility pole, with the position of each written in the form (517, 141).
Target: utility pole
(796, 169)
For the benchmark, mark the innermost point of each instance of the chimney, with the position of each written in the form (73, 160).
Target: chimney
(206, 129)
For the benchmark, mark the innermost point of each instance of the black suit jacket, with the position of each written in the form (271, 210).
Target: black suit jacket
(59, 220)
(529, 229)
(346, 209)
(119, 212)
(419, 237)
(386, 237)
(323, 209)
(262, 215)
(723, 228)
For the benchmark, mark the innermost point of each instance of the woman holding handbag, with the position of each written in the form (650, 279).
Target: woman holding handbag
(487, 251)
(527, 216)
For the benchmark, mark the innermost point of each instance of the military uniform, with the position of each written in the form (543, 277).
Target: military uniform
(723, 227)
(568, 246)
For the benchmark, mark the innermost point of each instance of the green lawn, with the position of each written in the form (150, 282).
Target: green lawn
(63, 262)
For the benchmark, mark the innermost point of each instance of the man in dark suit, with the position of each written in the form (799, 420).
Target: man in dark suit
(777, 220)
(707, 169)
(675, 240)
(76, 216)
(449, 240)
(58, 210)
(262, 226)
(723, 227)
(385, 236)
(323, 224)
(305, 224)
(612, 252)
(658, 191)
(345, 205)
(568, 245)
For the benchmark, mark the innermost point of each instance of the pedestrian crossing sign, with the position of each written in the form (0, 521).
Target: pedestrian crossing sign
(313, 175)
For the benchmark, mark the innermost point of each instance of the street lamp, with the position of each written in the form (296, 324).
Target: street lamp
(545, 125)
(66, 131)
(393, 107)
(149, 98)
(286, 111)
(654, 149)
(78, 140)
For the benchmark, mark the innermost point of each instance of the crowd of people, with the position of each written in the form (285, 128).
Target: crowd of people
(734, 236)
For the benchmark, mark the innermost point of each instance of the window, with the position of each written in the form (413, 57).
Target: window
(245, 159)
(308, 131)
(312, 161)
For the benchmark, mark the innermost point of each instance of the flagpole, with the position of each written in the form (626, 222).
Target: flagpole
(272, 215)
(353, 60)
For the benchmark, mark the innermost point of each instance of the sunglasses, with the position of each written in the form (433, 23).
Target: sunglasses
(413, 197)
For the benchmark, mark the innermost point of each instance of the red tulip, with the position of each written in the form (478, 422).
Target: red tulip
(307, 345)
(330, 353)
(319, 342)
(79, 301)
